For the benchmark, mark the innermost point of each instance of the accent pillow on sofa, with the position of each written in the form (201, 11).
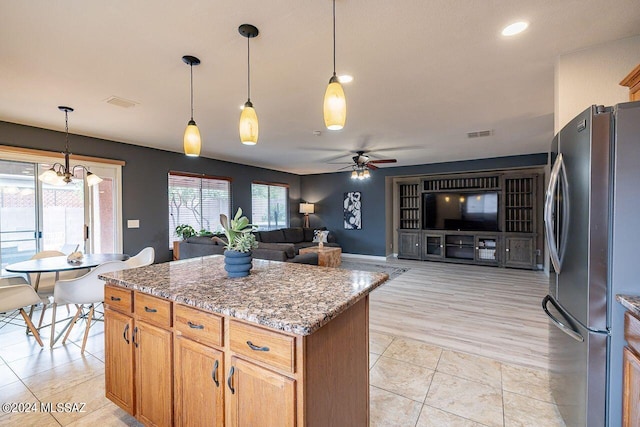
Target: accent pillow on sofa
(293, 235)
(320, 236)
(308, 233)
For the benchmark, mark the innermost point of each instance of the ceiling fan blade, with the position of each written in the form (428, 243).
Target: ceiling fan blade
(383, 161)
(370, 166)
(346, 167)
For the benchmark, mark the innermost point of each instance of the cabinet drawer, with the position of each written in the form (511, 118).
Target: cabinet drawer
(198, 325)
(153, 310)
(275, 349)
(632, 331)
(118, 299)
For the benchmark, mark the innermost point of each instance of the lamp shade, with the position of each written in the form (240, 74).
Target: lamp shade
(248, 126)
(93, 179)
(192, 141)
(307, 208)
(335, 105)
(49, 176)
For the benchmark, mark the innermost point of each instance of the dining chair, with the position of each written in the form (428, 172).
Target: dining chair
(81, 291)
(144, 257)
(16, 297)
(43, 283)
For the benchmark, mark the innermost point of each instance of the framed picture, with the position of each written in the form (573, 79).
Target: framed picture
(352, 207)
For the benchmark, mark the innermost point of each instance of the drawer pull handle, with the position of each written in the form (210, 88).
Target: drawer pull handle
(256, 348)
(125, 333)
(194, 326)
(214, 373)
(150, 310)
(115, 298)
(133, 338)
(231, 371)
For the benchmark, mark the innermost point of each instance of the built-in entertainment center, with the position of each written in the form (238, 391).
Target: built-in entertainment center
(483, 218)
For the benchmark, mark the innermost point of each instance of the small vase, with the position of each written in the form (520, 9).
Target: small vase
(237, 264)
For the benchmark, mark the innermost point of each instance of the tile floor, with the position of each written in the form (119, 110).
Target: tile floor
(412, 384)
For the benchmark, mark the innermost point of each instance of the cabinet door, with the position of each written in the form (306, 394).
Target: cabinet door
(154, 370)
(260, 397)
(487, 249)
(631, 390)
(432, 246)
(409, 245)
(199, 384)
(118, 351)
(519, 252)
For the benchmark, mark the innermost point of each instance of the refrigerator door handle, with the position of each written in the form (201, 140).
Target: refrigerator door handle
(567, 329)
(558, 173)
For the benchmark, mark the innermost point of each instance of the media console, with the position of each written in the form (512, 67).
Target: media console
(508, 228)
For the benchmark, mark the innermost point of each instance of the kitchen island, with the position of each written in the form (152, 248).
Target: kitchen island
(286, 346)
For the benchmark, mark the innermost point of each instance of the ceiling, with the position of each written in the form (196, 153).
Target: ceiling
(425, 73)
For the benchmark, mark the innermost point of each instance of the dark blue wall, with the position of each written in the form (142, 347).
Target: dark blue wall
(327, 190)
(144, 180)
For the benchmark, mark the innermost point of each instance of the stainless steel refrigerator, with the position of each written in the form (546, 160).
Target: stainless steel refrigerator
(592, 228)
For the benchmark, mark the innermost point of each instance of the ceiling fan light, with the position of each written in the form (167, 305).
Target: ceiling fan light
(354, 175)
(192, 141)
(366, 173)
(335, 105)
(93, 179)
(248, 125)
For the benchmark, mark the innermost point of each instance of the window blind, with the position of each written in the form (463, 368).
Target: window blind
(269, 206)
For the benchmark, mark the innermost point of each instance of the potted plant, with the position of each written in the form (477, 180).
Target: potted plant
(240, 241)
(185, 231)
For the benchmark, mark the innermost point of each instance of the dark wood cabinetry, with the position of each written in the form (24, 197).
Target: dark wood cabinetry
(517, 241)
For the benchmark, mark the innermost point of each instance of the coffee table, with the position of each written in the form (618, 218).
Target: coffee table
(327, 256)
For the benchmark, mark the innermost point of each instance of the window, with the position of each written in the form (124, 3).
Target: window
(269, 205)
(198, 201)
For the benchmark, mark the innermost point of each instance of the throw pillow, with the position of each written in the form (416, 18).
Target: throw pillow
(320, 236)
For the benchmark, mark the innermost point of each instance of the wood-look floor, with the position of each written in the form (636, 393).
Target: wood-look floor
(486, 311)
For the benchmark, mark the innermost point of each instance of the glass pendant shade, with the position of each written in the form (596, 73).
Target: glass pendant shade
(354, 175)
(93, 179)
(335, 105)
(248, 126)
(366, 173)
(192, 140)
(49, 176)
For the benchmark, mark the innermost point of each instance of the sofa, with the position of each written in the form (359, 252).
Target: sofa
(275, 245)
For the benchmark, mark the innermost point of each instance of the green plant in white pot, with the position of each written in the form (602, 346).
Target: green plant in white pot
(240, 242)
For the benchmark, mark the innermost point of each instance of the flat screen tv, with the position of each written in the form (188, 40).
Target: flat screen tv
(460, 211)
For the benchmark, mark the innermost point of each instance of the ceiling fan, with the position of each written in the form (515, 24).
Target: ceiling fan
(362, 163)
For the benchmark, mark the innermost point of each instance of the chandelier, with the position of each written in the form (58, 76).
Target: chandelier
(60, 174)
(360, 171)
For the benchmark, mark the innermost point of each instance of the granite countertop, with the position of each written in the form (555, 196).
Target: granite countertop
(630, 302)
(289, 297)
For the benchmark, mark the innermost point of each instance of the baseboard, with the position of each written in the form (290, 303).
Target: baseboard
(369, 257)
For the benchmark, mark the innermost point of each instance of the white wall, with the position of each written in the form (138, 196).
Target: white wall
(592, 76)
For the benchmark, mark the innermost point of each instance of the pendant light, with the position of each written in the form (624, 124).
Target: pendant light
(335, 103)
(192, 141)
(60, 174)
(248, 126)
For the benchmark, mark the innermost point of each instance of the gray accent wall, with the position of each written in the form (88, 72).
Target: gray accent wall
(326, 192)
(144, 180)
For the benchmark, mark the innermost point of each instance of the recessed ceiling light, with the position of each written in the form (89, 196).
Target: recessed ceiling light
(345, 78)
(515, 28)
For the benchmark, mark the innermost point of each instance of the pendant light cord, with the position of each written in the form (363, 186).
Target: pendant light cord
(334, 37)
(248, 72)
(191, 67)
(66, 131)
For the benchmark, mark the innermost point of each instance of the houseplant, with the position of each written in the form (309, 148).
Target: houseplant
(185, 231)
(240, 241)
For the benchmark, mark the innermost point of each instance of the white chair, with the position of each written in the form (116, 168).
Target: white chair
(16, 297)
(88, 289)
(144, 257)
(43, 283)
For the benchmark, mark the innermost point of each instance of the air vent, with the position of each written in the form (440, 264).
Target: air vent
(479, 134)
(121, 102)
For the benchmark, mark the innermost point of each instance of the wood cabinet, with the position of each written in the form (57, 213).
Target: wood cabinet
(260, 397)
(631, 372)
(409, 244)
(431, 228)
(199, 384)
(172, 364)
(519, 251)
(138, 356)
(632, 81)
